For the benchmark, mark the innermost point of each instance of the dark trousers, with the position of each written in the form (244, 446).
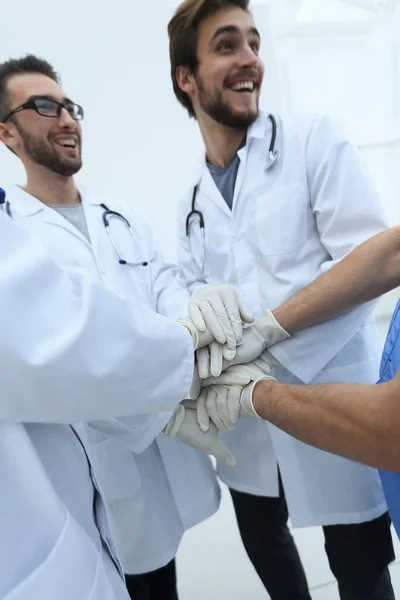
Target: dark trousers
(358, 555)
(157, 585)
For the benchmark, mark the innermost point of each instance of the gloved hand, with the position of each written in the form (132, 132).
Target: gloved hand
(211, 360)
(210, 354)
(264, 332)
(200, 339)
(220, 399)
(196, 384)
(219, 309)
(183, 424)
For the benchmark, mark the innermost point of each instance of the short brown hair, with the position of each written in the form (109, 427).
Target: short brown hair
(22, 66)
(183, 37)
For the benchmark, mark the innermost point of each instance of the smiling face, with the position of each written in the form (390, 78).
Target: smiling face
(227, 83)
(51, 142)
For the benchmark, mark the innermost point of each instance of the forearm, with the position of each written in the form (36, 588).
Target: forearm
(369, 271)
(360, 422)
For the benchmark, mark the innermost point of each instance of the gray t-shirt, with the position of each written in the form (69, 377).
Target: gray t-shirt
(225, 177)
(75, 215)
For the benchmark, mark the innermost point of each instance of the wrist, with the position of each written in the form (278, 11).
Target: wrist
(270, 329)
(194, 334)
(262, 396)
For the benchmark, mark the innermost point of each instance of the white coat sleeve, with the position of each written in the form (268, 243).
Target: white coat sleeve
(133, 433)
(343, 197)
(71, 351)
(348, 211)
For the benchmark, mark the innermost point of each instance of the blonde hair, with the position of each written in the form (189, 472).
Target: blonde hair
(183, 37)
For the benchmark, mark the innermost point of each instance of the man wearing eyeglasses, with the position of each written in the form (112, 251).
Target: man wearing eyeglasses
(154, 487)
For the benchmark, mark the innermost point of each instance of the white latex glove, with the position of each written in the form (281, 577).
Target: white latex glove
(183, 424)
(219, 400)
(269, 329)
(200, 339)
(196, 384)
(210, 360)
(264, 333)
(219, 309)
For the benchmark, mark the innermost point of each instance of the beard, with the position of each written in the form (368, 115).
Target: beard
(43, 155)
(221, 112)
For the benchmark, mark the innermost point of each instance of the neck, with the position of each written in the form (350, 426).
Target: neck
(221, 142)
(52, 188)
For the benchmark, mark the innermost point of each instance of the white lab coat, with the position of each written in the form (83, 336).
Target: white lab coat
(289, 224)
(154, 489)
(63, 360)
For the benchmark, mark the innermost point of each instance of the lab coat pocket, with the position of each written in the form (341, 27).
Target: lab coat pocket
(116, 470)
(281, 219)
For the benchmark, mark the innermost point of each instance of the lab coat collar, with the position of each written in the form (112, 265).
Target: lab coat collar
(22, 202)
(27, 205)
(258, 130)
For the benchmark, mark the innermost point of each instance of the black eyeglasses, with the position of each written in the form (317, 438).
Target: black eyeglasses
(49, 108)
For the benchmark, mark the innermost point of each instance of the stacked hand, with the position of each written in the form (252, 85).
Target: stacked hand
(225, 399)
(231, 359)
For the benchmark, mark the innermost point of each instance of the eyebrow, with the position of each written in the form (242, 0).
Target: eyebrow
(233, 29)
(47, 97)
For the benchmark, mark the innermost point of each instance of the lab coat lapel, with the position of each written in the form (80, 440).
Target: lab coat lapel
(94, 217)
(208, 188)
(258, 130)
(30, 207)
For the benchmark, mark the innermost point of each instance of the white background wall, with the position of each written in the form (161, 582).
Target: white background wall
(321, 55)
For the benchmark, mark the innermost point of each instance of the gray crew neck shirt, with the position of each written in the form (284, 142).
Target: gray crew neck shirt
(225, 177)
(74, 213)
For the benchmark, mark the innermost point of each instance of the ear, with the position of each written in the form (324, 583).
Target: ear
(8, 135)
(185, 79)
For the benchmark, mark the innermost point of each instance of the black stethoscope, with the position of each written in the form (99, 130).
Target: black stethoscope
(107, 215)
(271, 159)
(112, 214)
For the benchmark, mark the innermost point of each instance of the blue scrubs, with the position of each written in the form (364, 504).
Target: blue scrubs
(389, 366)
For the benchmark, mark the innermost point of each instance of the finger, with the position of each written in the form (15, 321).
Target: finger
(229, 377)
(203, 362)
(245, 314)
(221, 314)
(212, 409)
(230, 300)
(196, 384)
(196, 316)
(189, 404)
(212, 321)
(216, 359)
(233, 403)
(203, 418)
(227, 353)
(223, 408)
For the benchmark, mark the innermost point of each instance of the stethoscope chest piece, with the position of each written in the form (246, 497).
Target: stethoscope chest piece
(271, 159)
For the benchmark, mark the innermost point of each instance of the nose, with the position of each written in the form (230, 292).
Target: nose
(247, 56)
(65, 120)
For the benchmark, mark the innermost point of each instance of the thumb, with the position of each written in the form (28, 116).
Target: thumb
(222, 452)
(246, 315)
